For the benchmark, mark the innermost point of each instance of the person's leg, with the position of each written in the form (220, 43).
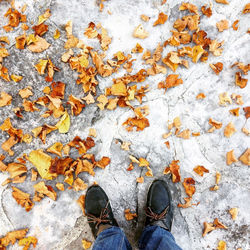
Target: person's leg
(159, 217)
(111, 238)
(156, 237)
(102, 222)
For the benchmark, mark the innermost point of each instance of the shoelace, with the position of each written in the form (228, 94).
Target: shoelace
(156, 216)
(103, 218)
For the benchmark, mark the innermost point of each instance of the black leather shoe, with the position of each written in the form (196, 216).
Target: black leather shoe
(98, 209)
(159, 205)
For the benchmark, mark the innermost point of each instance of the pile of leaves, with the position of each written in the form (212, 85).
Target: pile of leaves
(190, 44)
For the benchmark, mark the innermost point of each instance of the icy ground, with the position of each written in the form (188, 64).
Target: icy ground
(60, 224)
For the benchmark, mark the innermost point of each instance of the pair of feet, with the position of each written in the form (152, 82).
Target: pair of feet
(159, 209)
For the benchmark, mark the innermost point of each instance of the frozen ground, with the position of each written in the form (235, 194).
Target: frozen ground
(60, 224)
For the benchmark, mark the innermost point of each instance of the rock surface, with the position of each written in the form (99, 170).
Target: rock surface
(60, 224)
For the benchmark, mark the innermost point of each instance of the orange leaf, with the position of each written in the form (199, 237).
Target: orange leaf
(128, 215)
(222, 25)
(246, 8)
(239, 81)
(22, 198)
(16, 169)
(140, 179)
(171, 81)
(81, 203)
(208, 227)
(12, 237)
(139, 123)
(200, 170)
(26, 92)
(76, 105)
(85, 166)
(218, 224)
(57, 34)
(137, 49)
(144, 18)
(222, 245)
(39, 45)
(26, 242)
(234, 25)
(20, 41)
(57, 90)
(79, 184)
(40, 29)
(245, 157)
(8, 144)
(235, 112)
(188, 184)
(231, 157)
(59, 166)
(86, 244)
(217, 67)
(200, 96)
(207, 11)
(143, 162)
(247, 111)
(222, 1)
(233, 212)
(162, 18)
(5, 99)
(103, 162)
(188, 6)
(45, 190)
(119, 89)
(174, 168)
(187, 203)
(185, 134)
(4, 39)
(60, 186)
(229, 130)
(215, 123)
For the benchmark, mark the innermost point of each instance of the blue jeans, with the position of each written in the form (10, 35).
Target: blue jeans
(153, 237)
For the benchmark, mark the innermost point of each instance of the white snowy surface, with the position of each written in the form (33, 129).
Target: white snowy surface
(60, 224)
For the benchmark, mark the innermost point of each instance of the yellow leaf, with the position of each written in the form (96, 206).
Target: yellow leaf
(119, 55)
(86, 244)
(143, 162)
(69, 179)
(30, 39)
(42, 162)
(16, 78)
(12, 237)
(57, 34)
(140, 32)
(64, 124)
(83, 61)
(42, 18)
(197, 53)
(119, 89)
(222, 245)
(26, 242)
(56, 148)
(41, 66)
